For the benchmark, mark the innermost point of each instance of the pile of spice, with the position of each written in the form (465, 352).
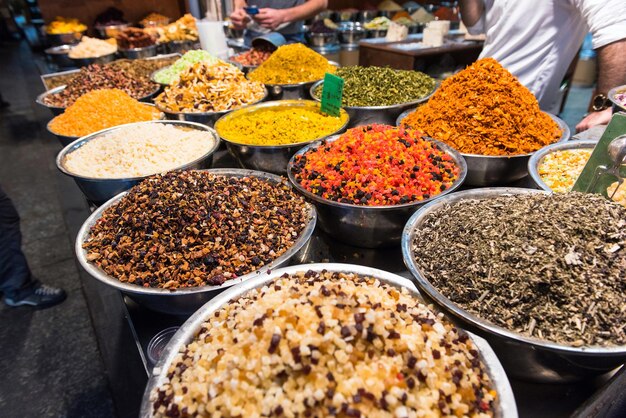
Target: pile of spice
(61, 25)
(252, 57)
(170, 75)
(548, 266)
(377, 86)
(280, 125)
(184, 29)
(98, 77)
(327, 344)
(92, 48)
(193, 228)
(154, 19)
(485, 110)
(101, 109)
(131, 38)
(210, 88)
(560, 169)
(292, 64)
(376, 165)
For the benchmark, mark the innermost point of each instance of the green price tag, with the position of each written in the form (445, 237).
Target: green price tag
(332, 93)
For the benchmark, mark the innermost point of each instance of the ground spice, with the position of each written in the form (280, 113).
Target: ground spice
(210, 88)
(280, 125)
(292, 64)
(377, 86)
(485, 110)
(376, 165)
(547, 266)
(323, 344)
(194, 228)
(252, 57)
(101, 109)
(98, 77)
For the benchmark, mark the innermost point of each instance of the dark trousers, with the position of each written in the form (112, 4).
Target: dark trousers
(15, 276)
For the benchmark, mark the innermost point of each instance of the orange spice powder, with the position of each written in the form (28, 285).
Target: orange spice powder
(485, 110)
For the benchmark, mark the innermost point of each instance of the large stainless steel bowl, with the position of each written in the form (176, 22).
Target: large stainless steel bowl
(58, 55)
(273, 159)
(492, 170)
(505, 402)
(187, 300)
(351, 33)
(70, 38)
(369, 226)
(537, 158)
(523, 357)
(99, 190)
(387, 115)
(206, 118)
(137, 53)
(102, 59)
(617, 106)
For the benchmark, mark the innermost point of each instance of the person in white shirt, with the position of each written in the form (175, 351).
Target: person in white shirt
(537, 40)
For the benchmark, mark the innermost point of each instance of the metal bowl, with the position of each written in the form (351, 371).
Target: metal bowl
(617, 106)
(137, 53)
(205, 118)
(296, 91)
(99, 190)
(346, 16)
(103, 59)
(188, 300)
(70, 38)
(505, 402)
(154, 74)
(110, 31)
(272, 159)
(321, 39)
(351, 33)
(366, 15)
(181, 46)
(369, 226)
(523, 357)
(376, 33)
(387, 115)
(58, 55)
(537, 157)
(491, 170)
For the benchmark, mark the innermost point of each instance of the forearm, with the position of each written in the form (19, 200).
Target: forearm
(309, 9)
(239, 4)
(471, 11)
(611, 66)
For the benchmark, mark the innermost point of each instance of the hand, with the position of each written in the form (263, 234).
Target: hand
(239, 19)
(270, 18)
(595, 118)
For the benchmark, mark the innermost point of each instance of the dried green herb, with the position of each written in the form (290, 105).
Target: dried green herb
(551, 267)
(377, 86)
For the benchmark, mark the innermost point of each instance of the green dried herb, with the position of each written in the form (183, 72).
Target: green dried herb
(377, 86)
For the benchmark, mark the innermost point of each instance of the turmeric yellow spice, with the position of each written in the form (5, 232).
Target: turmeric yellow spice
(292, 64)
(101, 109)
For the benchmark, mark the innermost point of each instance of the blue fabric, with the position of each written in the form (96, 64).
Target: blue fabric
(292, 38)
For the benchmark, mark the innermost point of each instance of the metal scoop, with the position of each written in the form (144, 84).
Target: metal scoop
(617, 152)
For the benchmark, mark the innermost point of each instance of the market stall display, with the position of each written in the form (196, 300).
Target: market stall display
(357, 363)
(170, 74)
(533, 277)
(484, 112)
(367, 182)
(237, 225)
(92, 50)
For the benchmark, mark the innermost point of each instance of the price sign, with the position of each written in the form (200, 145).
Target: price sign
(332, 93)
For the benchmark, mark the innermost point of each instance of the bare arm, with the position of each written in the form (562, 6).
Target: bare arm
(272, 18)
(471, 11)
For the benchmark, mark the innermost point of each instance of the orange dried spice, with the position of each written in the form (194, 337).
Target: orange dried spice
(101, 109)
(485, 110)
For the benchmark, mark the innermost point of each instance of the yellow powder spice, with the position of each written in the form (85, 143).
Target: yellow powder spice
(292, 64)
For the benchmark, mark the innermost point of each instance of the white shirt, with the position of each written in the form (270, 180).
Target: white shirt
(536, 40)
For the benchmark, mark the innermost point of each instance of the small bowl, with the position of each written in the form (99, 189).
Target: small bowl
(110, 31)
(103, 59)
(321, 39)
(491, 170)
(369, 226)
(523, 357)
(137, 53)
(617, 106)
(351, 33)
(59, 55)
(99, 190)
(376, 33)
(205, 118)
(505, 406)
(71, 38)
(270, 158)
(367, 115)
(157, 344)
(537, 157)
(187, 300)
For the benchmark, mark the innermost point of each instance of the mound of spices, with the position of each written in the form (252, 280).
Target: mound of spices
(485, 110)
(378, 86)
(184, 29)
(327, 344)
(140, 68)
(292, 64)
(92, 48)
(61, 25)
(210, 88)
(170, 75)
(560, 169)
(98, 77)
(376, 165)
(252, 57)
(548, 266)
(280, 125)
(194, 228)
(101, 109)
(130, 38)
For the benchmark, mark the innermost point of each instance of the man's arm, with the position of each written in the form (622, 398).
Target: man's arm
(272, 18)
(471, 11)
(239, 17)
